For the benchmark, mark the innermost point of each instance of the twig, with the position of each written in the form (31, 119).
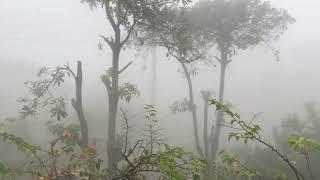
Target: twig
(125, 67)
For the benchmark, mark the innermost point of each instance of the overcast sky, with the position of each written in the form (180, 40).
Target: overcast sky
(51, 32)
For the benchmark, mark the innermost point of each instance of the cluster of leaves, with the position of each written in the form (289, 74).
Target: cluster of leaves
(248, 131)
(127, 90)
(302, 144)
(152, 132)
(280, 176)
(21, 145)
(58, 128)
(40, 95)
(8, 172)
(232, 167)
(174, 31)
(62, 159)
(127, 16)
(183, 105)
(245, 131)
(178, 164)
(137, 9)
(240, 24)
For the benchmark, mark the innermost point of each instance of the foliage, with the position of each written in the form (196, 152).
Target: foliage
(8, 172)
(150, 154)
(40, 93)
(298, 138)
(19, 142)
(182, 105)
(127, 16)
(128, 90)
(169, 161)
(47, 163)
(240, 24)
(301, 144)
(249, 131)
(232, 167)
(280, 176)
(246, 131)
(175, 32)
(65, 158)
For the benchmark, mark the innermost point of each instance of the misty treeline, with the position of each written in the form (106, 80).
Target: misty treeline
(192, 34)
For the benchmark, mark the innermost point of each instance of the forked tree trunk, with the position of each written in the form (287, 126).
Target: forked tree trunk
(113, 95)
(78, 106)
(193, 110)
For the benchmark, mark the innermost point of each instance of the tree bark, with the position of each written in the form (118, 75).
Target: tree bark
(112, 147)
(216, 138)
(154, 76)
(78, 106)
(205, 128)
(193, 109)
(113, 94)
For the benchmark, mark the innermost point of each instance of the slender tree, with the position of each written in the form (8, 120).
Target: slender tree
(124, 16)
(78, 105)
(235, 25)
(206, 96)
(183, 43)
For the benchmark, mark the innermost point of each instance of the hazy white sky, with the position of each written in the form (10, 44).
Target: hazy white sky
(51, 32)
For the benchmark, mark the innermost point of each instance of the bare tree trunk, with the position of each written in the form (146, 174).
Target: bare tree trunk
(112, 147)
(216, 138)
(78, 106)
(111, 81)
(205, 126)
(154, 76)
(206, 97)
(113, 94)
(112, 84)
(193, 110)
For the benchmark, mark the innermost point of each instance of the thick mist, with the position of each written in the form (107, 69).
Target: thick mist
(37, 33)
(48, 33)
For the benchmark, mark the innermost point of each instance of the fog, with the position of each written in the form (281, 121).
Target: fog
(38, 33)
(47, 33)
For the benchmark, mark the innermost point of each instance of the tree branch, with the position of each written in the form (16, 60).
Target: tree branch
(70, 70)
(129, 33)
(109, 16)
(110, 43)
(226, 62)
(106, 81)
(125, 67)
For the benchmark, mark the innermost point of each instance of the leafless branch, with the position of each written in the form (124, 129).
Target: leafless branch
(109, 16)
(125, 67)
(255, 115)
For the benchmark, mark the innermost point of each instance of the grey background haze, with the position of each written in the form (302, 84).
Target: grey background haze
(34, 33)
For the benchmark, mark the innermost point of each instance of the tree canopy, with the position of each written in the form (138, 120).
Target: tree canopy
(240, 24)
